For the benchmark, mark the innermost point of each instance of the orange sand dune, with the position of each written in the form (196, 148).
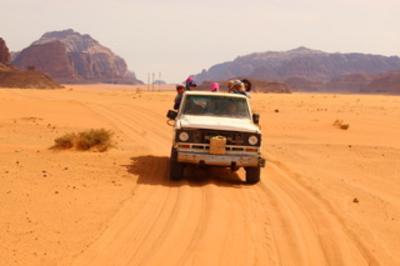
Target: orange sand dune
(327, 196)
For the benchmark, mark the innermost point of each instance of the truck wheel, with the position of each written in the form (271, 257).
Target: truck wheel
(175, 168)
(252, 175)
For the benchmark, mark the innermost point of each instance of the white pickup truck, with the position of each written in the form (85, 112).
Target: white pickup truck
(215, 129)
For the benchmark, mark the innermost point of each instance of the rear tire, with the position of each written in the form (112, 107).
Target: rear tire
(253, 175)
(175, 168)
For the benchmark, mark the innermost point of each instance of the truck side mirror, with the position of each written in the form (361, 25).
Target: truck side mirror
(256, 118)
(172, 114)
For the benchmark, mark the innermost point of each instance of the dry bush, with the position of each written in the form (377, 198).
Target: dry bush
(65, 142)
(93, 139)
(339, 123)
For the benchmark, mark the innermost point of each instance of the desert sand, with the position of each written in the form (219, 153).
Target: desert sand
(327, 196)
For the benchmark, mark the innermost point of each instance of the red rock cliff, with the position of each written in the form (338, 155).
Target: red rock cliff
(70, 57)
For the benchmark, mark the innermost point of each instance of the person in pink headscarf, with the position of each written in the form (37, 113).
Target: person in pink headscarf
(215, 87)
(190, 84)
(188, 80)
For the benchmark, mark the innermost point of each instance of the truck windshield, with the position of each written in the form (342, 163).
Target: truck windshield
(207, 105)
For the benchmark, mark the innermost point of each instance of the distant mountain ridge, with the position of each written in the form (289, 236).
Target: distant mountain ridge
(12, 77)
(306, 69)
(70, 57)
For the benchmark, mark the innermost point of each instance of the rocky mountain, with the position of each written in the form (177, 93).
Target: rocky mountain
(70, 57)
(306, 70)
(12, 77)
(303, 84)
(351, 83)
(4, 52)
(27, 79)
(159, 82)
(388, 83)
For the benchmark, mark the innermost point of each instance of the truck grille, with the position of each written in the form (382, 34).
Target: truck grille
(204, 136)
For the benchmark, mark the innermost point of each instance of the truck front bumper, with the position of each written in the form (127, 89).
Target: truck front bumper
(221, 160)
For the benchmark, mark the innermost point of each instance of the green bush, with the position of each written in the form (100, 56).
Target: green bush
(93, 139)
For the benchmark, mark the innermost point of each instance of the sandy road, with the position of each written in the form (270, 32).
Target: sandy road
(326, 196)
(212, 217)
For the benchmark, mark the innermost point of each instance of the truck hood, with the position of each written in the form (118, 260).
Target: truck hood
(217, 123)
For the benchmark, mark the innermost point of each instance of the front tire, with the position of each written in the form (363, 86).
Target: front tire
(175, 168)
(253, 175)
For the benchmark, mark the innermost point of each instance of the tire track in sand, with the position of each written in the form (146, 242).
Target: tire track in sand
(138, 124)
(182, 223)
(214, 220)
(136, 228)
(306, 229)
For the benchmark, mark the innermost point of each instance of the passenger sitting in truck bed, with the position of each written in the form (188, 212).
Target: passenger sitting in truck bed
(247, 86)
(215, 87)
(180, 89)
(190, 85)
(238, 87)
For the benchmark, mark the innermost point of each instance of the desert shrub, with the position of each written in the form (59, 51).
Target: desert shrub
(93, 139)
(65, 142)
(100, 139)
(339, 123)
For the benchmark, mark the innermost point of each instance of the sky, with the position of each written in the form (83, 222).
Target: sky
(172, 39)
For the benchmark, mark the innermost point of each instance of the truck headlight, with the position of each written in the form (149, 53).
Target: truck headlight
(253, 140)
(183, 136)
